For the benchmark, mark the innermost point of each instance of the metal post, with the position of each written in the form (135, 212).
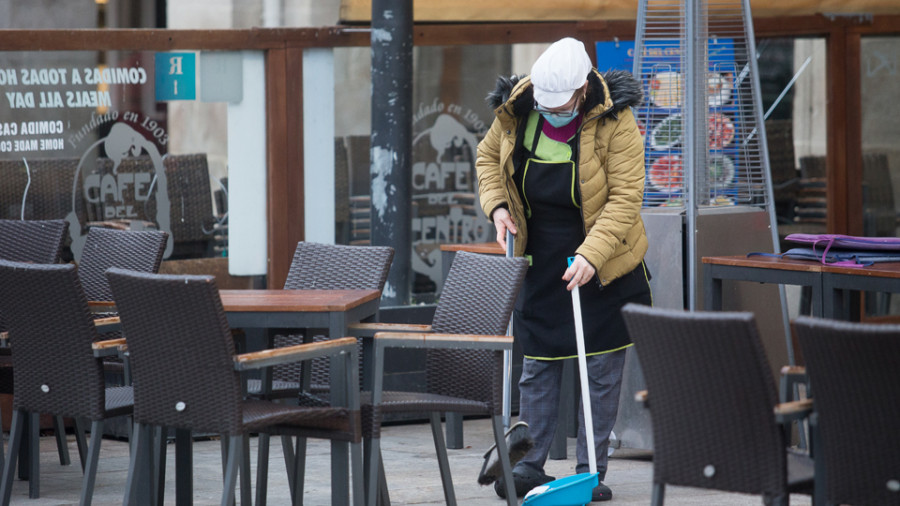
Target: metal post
(391, 145)
(695, 68)
(767, 168)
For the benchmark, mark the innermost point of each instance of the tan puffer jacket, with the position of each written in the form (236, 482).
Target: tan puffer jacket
(610, 168)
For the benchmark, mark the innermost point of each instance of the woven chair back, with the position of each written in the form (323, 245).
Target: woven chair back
(42, 189)
(854, 374)
(140, 251)
(711, 400)
(182, 352)
(51, 331)
(331, 267)
(31, 241)
(35, 241)
(192, 217)
(190, 211)
(478, 298)
(338, 267)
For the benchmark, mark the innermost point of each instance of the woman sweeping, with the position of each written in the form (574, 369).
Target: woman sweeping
(562, 168)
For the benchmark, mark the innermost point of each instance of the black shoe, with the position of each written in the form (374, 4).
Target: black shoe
(601, 493)
(523, 482)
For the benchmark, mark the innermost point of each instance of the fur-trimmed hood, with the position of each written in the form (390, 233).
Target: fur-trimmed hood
(614, 91)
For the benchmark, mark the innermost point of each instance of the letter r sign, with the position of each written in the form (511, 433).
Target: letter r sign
(176, 76)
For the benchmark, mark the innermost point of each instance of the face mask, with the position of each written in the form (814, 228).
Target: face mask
(556, 120)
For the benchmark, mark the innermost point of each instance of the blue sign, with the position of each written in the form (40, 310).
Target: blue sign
(617, 55)
(661, 54)
(176, 76)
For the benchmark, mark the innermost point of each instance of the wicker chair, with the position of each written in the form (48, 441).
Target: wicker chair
(319, 267)
(324, 267)
(32, 241)
(190, 212)
(196, 384)
(464, 361)
(711, 396)
(140, 251)
(37, 241)
(56, 371)
(853, 372)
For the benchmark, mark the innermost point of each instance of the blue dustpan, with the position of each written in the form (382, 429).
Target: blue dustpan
(572, 490)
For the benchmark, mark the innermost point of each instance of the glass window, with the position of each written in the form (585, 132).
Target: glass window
(450, 117)
(793, 85)
(880, 130)
(879, 67)
(119, 139)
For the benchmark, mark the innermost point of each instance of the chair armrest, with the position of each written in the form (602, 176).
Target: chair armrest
(108, 324)
(110, 347)
(643, 397)
(796, 410)
(791, 376)
(296, 353)
(449, 341)
(793, 370)
(102, 306)
(370, 329)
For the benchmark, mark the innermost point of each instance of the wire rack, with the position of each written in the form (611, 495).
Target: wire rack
(707, 119)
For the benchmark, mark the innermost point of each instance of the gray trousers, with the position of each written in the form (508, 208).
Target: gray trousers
(539, 389)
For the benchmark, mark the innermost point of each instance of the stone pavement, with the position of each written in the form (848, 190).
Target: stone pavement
(411, 471)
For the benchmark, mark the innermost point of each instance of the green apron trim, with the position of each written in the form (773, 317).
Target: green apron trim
(587, 355)
(544, 162)
(549, 152)
(647, 277)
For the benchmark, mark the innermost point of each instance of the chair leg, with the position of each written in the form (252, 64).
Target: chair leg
(658, 494)
(9, 465)
(133, 471)
(370, 464)
(296, 455)
(90, 473)
(246, 491)
(356, 474)
(34, 455)
(443, 462)
(384, 496)
(2, 456)
(296, 469)
(158, 482)
(505, 465)
(232, 462)
(139, 482)
(262, 468)
(59, 430)
(24, 449)
(81, 442)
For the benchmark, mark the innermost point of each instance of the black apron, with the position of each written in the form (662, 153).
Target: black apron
(543, 319)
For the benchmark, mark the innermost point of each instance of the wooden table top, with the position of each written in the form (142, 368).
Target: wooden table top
(879, 269)
(482, 247)
(764, 262)
(295, 300)
(278, 300)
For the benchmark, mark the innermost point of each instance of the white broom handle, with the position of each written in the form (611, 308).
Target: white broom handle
(507, 354)
(585, 387)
